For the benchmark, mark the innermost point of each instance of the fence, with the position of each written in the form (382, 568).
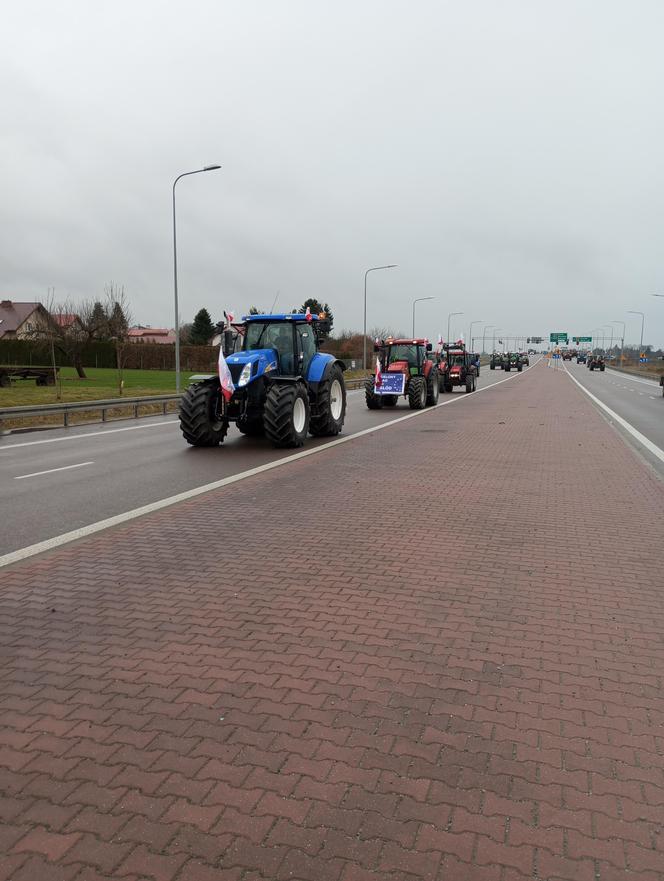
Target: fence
(141, 356)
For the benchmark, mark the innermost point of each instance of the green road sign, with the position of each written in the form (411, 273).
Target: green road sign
(559, 337)
(582, 339)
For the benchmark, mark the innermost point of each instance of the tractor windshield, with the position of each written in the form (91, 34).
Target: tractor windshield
(269, 335)
(457, 360)
(403, 353)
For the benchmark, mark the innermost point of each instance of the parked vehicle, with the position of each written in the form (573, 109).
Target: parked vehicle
(496, 361)
(596, 362)
(512, 361)
(456, 367)
(282, 386)
(404, 369)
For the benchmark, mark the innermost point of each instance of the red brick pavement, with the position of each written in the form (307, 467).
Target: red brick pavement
(471, 690)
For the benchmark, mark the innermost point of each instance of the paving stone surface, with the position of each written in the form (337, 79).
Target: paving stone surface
(434, 653)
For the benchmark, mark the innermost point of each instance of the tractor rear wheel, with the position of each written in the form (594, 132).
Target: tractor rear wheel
(200, 421)
(417, 393)
(433, 389)
(330, 406)
(390, 400)
(374, 401)
(252, 427)
(286, 414)
(469, 384)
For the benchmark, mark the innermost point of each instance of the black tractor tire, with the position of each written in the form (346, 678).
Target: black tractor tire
(520, 368)
(417, 393)
(199, 421)
(433, 389)
(602, 368)
(507, 369)
(390, 400)
(492, 366)
(449, 387)
(331, 398)
(286, 414)
(591, 367)
(252, 427)
(374, 401)
(469, 384)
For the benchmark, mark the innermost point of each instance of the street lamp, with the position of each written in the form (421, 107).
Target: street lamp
(622, 338)
(448, 324)
(643, 319)
(364, 335)
(488, 327)
(470, 332)
(175, 273)
(418, 300)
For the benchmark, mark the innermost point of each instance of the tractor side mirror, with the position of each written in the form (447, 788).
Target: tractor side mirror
(429, 347)
(229, 342)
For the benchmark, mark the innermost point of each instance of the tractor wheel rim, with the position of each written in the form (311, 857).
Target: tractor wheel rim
(299, 415)
(336, 399)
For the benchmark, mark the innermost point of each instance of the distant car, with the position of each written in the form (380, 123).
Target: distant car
(581, 358)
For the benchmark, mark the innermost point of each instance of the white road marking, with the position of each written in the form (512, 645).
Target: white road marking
(641, 438)
(53, 470)
(55, 440)
(99, 526)
(633, 378)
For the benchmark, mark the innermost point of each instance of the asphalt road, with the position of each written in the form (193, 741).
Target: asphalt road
(56, 481)
(639, 401)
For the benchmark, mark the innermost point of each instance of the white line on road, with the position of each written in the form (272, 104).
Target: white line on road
(55, 440)
(641, 438)
(633, 378)
(92, 528)
(53, 470)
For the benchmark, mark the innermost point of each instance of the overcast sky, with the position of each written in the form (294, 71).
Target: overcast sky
(509, 156)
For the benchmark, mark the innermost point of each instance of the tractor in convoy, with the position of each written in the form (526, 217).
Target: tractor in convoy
(581, 357)
(403, 367)
(596, 362)
(456, 367)
(568, 354)
(512, 360)
(277, 384)
(496, 361)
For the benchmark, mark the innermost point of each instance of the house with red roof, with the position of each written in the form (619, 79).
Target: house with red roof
(141, 334)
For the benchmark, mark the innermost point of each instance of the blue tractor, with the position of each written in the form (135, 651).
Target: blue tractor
(284, 387)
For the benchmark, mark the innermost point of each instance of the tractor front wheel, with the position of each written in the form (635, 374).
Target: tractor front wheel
(433, 389)
(200, 421)
(374, 401)
(330, 405)
(469, 384)
(286, 414)
(417, 393)
(390, 400)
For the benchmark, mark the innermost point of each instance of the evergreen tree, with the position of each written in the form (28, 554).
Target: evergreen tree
(202, 330)
(316, 307)
(256, 311)
(99, 321)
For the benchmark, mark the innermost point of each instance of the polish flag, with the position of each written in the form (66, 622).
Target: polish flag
(379, 375)
(308, 315)
(440, 343)
(227, 385)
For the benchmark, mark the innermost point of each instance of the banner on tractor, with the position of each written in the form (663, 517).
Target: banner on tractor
(391, 384)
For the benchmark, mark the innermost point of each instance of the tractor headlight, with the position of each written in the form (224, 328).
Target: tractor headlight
(245, 376)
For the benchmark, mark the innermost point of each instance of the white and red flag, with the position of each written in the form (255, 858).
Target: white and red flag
(379, 375)
(225, 378)
(440, 343)
(308, 314)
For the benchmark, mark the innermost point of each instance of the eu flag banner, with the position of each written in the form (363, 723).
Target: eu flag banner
(391, 384)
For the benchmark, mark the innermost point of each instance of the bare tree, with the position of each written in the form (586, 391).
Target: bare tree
(118, 319)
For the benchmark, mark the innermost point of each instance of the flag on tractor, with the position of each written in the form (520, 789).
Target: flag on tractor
(308, 315)
(225, 378)
(379, 375)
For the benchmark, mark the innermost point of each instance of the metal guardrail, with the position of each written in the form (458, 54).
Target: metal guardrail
(66, 409)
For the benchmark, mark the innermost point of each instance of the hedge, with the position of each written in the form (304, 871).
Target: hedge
(142, 356)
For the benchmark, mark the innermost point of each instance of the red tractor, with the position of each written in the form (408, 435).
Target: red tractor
(456, 366)
(402, 368)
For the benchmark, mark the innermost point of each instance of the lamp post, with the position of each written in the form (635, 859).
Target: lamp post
(470, 331)
(643, 320)
(448, 324)
(418, 300)
(622, 338)
(364, 335)
(175, 273)
(488, 327)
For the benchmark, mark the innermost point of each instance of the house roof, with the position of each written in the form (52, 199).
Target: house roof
(148, 331)
(12, 315)
(64, 319)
